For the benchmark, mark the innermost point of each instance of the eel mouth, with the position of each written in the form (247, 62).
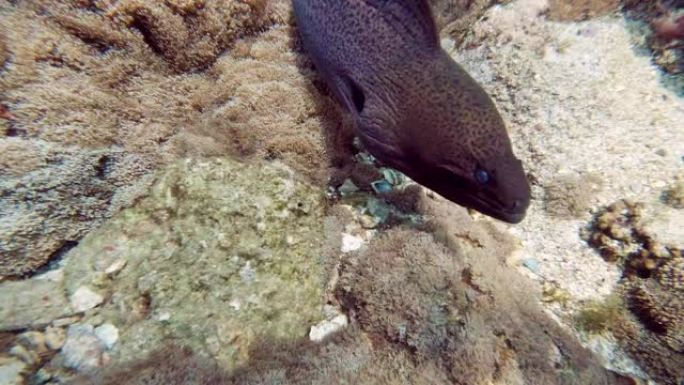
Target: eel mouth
(515, 214)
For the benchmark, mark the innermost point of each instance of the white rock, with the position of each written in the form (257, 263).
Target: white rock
(247, 273)
(84, 299)
(115, 267)
(351, 242)
(82, 350)
(323, 329)
(164, 316)
(108, 334)
(235, 304)
(10, 371)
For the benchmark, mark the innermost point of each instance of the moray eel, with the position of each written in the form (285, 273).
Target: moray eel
(414, 108)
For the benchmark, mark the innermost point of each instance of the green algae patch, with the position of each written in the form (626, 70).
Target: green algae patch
(218, 255)
(598, 316)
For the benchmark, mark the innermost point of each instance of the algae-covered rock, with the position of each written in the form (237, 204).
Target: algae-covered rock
(31, 304)
(98, 95)
(218, 254)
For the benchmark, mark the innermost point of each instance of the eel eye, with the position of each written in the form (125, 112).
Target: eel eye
(481, 176)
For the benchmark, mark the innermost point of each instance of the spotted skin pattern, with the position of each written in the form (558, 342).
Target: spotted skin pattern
(415, 108)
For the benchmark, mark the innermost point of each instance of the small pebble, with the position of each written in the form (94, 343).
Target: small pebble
(347, 188)
(381, 186)
(394, 177)
(531, 264)
(323, 329)
(115, 267)
(290, 240)
(247, 273)
(84, 299)
(164, 316)
(378, 208)
(82, 350)
(351, 242)
(368, 222)
(42, 376)
(108, 334)
(235, 304)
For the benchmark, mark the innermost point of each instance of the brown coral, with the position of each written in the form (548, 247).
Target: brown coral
(652, 288)
(653, 331)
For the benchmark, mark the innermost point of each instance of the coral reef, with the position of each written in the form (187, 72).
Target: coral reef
(653, 329)
(652, 290)
(618, 234)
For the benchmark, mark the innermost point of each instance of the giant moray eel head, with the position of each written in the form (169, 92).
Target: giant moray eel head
(444, 132)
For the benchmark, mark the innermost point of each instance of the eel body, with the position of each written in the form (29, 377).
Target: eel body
(414, 107)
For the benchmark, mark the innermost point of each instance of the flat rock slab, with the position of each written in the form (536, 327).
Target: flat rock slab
(31, 303)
